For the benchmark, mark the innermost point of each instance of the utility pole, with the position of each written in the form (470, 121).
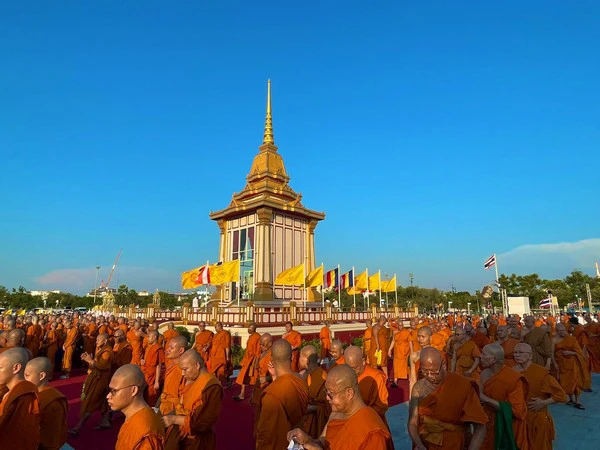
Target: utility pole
(589, 296)
(96, 284)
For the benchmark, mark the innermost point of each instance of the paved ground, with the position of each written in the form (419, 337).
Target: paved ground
(575, 429)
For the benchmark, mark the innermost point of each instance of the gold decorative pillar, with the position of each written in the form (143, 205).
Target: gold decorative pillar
(250, 312)
(185, 313)
(374, 311)
(293, 313)
(131, 312)
(150, 311)
(328, 312)
(263, 259)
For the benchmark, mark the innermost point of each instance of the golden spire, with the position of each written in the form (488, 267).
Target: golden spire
(268, 137)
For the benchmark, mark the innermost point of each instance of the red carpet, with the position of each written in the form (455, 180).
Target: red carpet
(234, 428)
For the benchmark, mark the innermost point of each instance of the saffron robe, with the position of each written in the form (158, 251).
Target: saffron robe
(283, 404)
(95, 387)
(383, 338)
(218, 354)
(53, 418)
(373, 390)
(203, 342)
(247, 373)
(325, 337)
(509, 349)
(261, 368)
(142, 431)
(20, 418)
(445, 413)
(122, 354)
(154, 357)
(33, 339)
(170, 393)
(168, 335)
(89, 341)
(367, 337)
(571, 368)
(465, 357)
(51, 346)
(315, 421)
(136, 347)
(541, 345)
(295, 340)
(592, 330)
(480, 340)
(364, 430)
(401, 352)
(69, 345)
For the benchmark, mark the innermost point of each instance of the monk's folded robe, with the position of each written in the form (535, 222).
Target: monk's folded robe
(53, 418)
(571, 368)
(364, 430)
(401, 352)
(142, 431)
(171, 388)
(247, 374)
(95, 387)
(20, 418)
(154, 357)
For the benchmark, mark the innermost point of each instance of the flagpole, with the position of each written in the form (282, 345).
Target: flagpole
(365, 298)
(337, 282)
(304, 296)
(380, 289)
(239, 290)
(496, 266)
(323, 286)
(396, 288)
(354, 290)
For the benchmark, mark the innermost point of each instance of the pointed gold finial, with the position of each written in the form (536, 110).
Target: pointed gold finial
(268, 137)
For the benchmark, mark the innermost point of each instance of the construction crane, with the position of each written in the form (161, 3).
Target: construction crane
(113, 269)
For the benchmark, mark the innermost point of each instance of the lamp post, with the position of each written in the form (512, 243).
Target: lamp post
(469, 308)
(96, 284)
(449, 306)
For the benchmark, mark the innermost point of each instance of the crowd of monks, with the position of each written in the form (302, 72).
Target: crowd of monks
(475, 382)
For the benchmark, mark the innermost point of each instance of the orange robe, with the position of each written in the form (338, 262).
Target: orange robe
(295, 340)
(200, 403)
(509, 349)
(203, 342)
(401, 352)
(465, 357)
(492, 330)
(438, 341)
(247, 374)
(142, 431)
(480, 340)
(541, 345)
(261, 368)
(154, 357)
(325, 337)
(593, 333)
(20, 418)
(95, 386)
(69, 346)
(51, 345)
(337, 362)
(283, 404)
(170, 393)
(314, 421)
(33, 339)
(122, 353)
(539, 423)
(53, 418)
(362, 431)
(452, 405)
(571, 368)
(383, 338)
(136, 347)
(510, 386)
(89, 343)
(168, 335)
(373, 390)
(218, 354)
(367, 343)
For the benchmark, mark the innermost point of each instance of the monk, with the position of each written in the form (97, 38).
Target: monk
(381, 339)
(33, 338)
(263, 376)
(592, 330)
(169, 397)
(401, 349)
(318, 410)
(367, 338)
(220, 355)
(152, 365)
(15, 338)
(508, 344)
(50, 346)
(442, 406)
(325, 338)
(143, 429)
(539, 340)
(337, 354)
(122, 351)
(247, 373)
(479, 335)
(93, 397)
(503, 388)
(53, 405)
(424, 334)
(19, 407)
(295, 340)
(203, 341)
(283, 403)
(89, 336)
(543, 390)
(135, 337)
(352, 425)
(570, 361)
(199, 407)
(170, 333)
(68, 348)
(371, 381)
(465, 360)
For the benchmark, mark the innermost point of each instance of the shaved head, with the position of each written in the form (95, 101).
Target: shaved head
(12, 366)
(492, 354)
(38, 371)
(281, 352)
(353, 355)
(523, 347)
(16, 355)
(308, 357)
(432, 355)
(15, 338)
(192, 356)
(180, 341)
(343, 375)
(130, 374)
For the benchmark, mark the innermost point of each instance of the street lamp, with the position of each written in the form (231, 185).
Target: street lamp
(449, 306)
(96, 284)
(469, 308)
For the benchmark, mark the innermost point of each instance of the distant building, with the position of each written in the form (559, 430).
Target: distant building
(43, 294)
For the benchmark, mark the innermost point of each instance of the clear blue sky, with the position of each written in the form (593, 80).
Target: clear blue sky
(432, 134)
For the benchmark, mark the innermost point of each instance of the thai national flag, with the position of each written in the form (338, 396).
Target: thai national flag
(546, 303)
(491, 261)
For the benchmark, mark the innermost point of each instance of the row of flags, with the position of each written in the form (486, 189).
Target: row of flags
(219, 273)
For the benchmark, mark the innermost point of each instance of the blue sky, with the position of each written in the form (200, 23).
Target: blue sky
(432, 135)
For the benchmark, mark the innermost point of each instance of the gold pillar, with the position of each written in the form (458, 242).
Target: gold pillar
(312, 294)
(185, 312)
(250, 312)
(263, 259)
(328, 314)
(293, 313)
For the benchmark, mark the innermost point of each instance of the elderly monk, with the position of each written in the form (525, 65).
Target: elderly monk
(571, 365)
(135, 337)
(381, 339)
(93, 397)
(508, 344)
(465, 360)
(199, 407)
(203, 341)
(69, 347)
(33, 338)
(352, 425)
(283, 403)
(173, 376)
(220, 354)
(53, 405)
(122, 351)
(143, 429)
(543, 390)
(19, 407)
(247, 373)
(50, 346)
(152, 365)
(503, 388)
(318, 410)
(295, 340)
(263, 376)
(371, 381)
(325, 338)
(337, 354)
(442, 406)
(401, 349)
(539, 340)
(15, 338)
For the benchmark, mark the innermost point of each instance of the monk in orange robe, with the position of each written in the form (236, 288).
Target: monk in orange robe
(401, 349)
(367, 339)
(135, 337)
(169, 396)
(143, 428)
(325, 338)
(69, 348)
(89, 337)
(152, 364)
(337, 354)
(192, 425)
(543, 390)
(53, 405)
(508, 344)
(571, 365)
(479, 336)
(283, 402)
(33, 338)
(220, 355)
(96, 384)
(247, 375)
(122, 351)
(263, 376)
(170, 333)
(19, 407)
(465, 360)
(592, 330)
(50, 346)
(203, 341)
(352, 425)
(443, 405)
(539, 340)
(318, 409)
(295, 340)
(503, 384)
(381, 339)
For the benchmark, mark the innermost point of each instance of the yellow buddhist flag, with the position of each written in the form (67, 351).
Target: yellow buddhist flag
(225, 272)
(353, 290)
(315, 277)
(375, 282)
(360, 281)
(389, 285)
(190, 279)
(291, 277)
